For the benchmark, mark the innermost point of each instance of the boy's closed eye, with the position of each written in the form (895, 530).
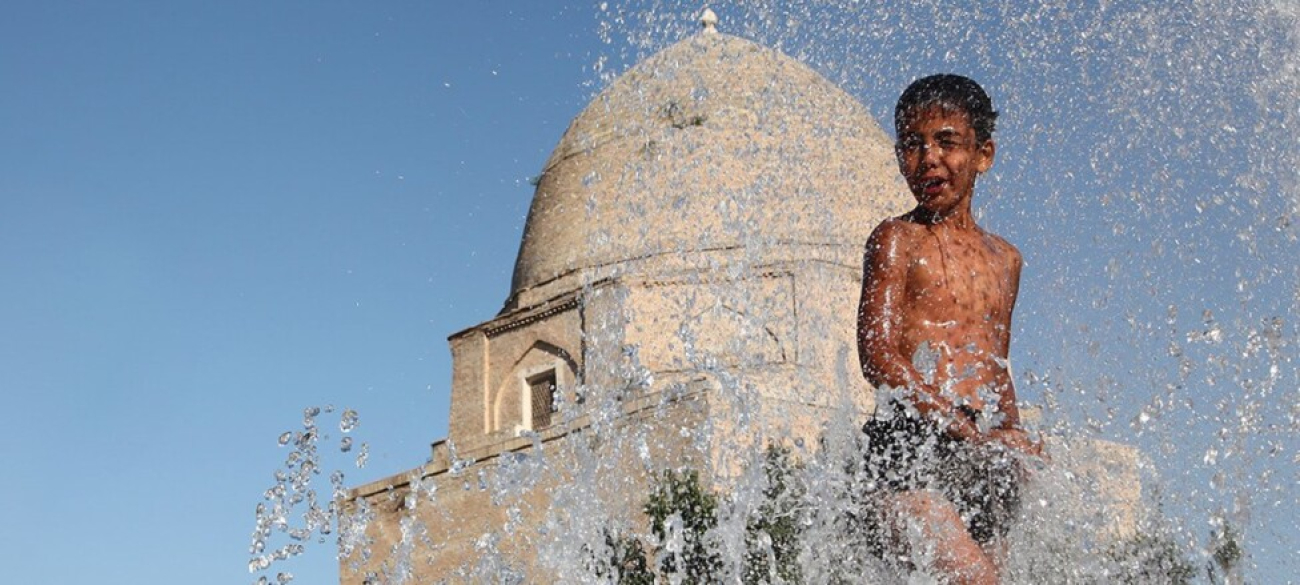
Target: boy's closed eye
(943, 142)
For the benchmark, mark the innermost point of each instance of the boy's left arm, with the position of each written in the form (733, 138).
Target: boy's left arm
(1007, 397)
(1009, 432)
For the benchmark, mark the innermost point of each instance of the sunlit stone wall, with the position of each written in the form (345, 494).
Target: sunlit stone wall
(688, 277)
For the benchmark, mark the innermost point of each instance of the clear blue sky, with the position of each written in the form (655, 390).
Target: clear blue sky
(213, 215)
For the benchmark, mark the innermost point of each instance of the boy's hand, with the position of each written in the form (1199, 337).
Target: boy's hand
(1018, 440)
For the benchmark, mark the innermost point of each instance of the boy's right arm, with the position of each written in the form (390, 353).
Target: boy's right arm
(884, 283)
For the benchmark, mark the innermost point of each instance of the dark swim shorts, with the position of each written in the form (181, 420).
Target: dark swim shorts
(906, 452)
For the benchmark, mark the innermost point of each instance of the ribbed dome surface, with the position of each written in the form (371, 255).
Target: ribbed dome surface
(714, 143)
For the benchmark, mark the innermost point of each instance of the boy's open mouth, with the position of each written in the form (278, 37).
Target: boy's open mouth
(932, 186)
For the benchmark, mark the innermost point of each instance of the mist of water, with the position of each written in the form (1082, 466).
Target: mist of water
(1147, 167)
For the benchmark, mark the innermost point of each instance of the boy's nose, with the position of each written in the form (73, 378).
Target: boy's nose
(930, 152)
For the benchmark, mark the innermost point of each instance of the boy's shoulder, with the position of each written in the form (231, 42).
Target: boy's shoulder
(894, 229)
(1002, 245)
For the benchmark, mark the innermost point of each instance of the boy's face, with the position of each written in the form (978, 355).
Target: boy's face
(940, 158)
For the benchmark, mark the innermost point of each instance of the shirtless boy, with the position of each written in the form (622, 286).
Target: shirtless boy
(934, 327)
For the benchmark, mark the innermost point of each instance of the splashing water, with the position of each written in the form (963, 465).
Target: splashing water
(1147, 167)
(293, 512)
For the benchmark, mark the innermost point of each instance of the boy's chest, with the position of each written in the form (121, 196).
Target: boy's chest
(959, 276)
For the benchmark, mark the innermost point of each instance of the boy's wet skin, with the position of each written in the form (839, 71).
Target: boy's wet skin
(935, 280)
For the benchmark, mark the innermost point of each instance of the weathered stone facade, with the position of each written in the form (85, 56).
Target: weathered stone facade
(693, 258)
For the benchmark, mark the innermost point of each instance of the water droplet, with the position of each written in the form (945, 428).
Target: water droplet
(349, 420)
(363, 456)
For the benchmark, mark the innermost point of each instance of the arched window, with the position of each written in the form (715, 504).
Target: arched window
(540, 383)
(542, 397)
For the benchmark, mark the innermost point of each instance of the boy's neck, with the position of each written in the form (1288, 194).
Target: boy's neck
(960, 218)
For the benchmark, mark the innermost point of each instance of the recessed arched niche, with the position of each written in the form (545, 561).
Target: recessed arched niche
(540, 385)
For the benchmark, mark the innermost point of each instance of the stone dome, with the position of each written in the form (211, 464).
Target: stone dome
(713, 144)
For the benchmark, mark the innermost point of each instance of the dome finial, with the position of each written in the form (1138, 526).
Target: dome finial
(709, 20)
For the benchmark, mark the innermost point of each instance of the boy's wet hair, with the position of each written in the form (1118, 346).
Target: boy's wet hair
(949, 91)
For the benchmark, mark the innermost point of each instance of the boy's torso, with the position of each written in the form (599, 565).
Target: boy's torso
(958, 295)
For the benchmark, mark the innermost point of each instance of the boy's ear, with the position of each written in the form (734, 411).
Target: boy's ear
(986, 152)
